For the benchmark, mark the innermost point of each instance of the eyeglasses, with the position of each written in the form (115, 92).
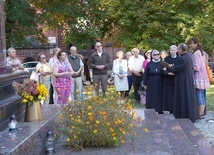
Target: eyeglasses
(43, 58)
(156, 54)
(99, 45)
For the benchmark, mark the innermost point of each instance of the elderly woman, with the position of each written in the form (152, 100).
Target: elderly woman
(63, 78)
(52, 61)
(120, 72)
(13, 61)
(163, 54)
(152, 81)
(184, 102)
(200, 76)
(168, 80)
(44, 69)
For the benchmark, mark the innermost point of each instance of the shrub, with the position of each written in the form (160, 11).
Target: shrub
(95, 122)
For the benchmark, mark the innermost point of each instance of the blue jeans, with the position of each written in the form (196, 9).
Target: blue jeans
(200, 95)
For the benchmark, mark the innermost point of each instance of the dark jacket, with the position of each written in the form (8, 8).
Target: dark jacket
(95, 60)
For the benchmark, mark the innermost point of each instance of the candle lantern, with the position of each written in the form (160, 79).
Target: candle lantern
(50, 142)
(12, 123)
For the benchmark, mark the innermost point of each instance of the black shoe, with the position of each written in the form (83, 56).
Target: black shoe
(160, 112)
(201, 116)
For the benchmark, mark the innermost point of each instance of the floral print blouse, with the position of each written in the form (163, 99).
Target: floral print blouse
(65, 80)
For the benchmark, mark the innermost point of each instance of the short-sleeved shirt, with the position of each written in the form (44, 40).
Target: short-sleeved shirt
(11, 61)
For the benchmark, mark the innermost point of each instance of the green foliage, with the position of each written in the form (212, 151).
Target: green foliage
(21, 21)
(146, 24)
(96, 122)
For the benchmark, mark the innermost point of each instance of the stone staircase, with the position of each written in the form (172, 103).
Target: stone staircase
(156, 135)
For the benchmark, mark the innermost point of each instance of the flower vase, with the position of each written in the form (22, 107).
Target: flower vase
(33, 112)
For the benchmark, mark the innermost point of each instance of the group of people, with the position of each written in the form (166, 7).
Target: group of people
(62, 75)
(179, 83)
(175, 82)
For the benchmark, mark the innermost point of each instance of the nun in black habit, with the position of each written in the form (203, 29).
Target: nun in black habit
(168, 80)
(153, 79)
(184, 102)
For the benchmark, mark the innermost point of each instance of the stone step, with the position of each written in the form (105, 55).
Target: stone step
(180, 143)
(8, 107)
(198, 140)
(30, 137)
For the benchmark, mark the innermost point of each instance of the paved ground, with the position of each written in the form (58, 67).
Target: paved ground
(206, 126)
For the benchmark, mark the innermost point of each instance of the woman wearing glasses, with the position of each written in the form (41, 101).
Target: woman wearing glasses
(44, 69)
(152, 81)
(63, 78)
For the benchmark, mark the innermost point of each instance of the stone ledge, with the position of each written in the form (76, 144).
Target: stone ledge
(30, 136)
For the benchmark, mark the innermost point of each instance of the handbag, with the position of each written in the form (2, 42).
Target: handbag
(209, 72)
(35, 76)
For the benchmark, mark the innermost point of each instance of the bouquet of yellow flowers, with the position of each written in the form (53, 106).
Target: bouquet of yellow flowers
(30, 91)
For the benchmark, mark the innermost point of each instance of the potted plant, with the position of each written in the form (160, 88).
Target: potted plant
(31, 93)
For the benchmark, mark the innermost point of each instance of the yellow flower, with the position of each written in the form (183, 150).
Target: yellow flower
(95, 131)
(78, 132)
(90, 88)
(68, 139)
(75, 137)
(31, 98)
(91, 118)
(111, 107)
(24, 100)
(72, 127)
(114, 138)
(118, 93)
(131, 125)
(124, 132)
(122, 141)
(97, 122)
(134, 134)
(89, 107)
(145, 130)
(111, 129)
(104, 117)
(100, 112)
(39, 97)
(89, 114)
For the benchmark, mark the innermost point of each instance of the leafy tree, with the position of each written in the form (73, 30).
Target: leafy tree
(159, 24)
(82, 21)
(144, 24)
(21, 21)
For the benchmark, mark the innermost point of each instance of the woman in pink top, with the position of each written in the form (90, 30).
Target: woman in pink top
(200, 76)
(63, 78)
(148, 58)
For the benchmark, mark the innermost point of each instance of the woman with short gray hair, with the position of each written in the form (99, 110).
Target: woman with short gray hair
(168, 80)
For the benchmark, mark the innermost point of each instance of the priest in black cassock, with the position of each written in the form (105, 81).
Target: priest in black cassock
(152, 81)
(168, 80)
(184, 102)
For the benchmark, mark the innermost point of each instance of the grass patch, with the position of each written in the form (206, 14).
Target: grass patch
(210, 98)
